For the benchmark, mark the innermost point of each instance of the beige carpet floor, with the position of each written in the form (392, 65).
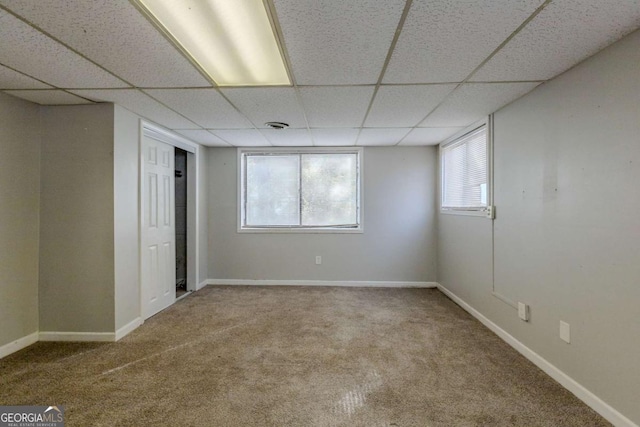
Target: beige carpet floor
(289, 356)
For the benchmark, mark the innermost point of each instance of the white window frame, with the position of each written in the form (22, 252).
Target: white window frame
(300, 150)
(489, 210)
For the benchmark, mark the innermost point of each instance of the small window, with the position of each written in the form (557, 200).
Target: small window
(301, 190)
(465, 173)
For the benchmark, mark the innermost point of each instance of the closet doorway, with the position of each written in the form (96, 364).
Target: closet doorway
(168, 249)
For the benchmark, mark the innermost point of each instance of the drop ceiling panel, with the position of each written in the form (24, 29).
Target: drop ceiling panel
(428, 136)
(405, 106)
(205, 107)
(334, 137)
(563, 34)
(444, 41)
(203, 137)
(48, 97)
(29, 51)
(10, 79)
(141, 104)
(273, 104)
(336, 106)
(115, 35)
(288, 137)
(242, 137)
(337, 41)
(471, 102)
(382, 136)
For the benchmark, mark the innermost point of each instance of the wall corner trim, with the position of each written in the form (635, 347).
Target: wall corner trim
(593, 401)
(18, 344)
(77, 336)
(202, 284)
(128, 328)
(340, 283)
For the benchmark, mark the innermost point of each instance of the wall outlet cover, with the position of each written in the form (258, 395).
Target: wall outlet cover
(523, 311)
(565, 332)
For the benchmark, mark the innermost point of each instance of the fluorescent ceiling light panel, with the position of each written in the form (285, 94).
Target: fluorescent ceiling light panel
(231, 40)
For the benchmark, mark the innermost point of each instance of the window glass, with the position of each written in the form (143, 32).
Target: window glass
(304, 190)
(329, 189)
(272, 196)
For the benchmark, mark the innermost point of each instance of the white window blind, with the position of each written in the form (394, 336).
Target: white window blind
(465, 172)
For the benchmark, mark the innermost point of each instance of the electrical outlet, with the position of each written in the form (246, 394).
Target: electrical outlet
(318, 260)
(565, 332)
(523, 311)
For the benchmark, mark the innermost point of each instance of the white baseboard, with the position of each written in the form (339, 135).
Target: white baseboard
(202, 284)
(342, 283)
(593, 401)
(128, 328)
(77, 336)
(18, 344)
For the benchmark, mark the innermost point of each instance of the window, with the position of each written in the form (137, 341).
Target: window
(300, 190)
(465, 173)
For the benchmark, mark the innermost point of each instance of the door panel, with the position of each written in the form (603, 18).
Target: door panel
(152, 295)
(158, 228)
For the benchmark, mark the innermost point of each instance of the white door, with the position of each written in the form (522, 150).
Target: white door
(158, 227)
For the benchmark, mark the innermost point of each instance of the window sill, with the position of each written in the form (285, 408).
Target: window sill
(302, 230)
(478, 213)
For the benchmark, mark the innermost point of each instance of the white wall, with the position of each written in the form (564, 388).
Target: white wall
(202, 217)
(567, 233)
(19, 196)
(126, 166)
(76, 219)
(398, 243)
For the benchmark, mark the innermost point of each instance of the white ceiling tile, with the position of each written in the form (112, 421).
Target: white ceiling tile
(382, 136)
(205, 107)
(334, 137)
(471, 102)
(428, 136)
(563, 34)
(115, 35)
(337, 41)
(48, 97)
(141, 104)
(10, 79)
(405, 106)
(268, 104)
(288, 137)
(444, 41)
(242, 137)
(29, 51)
(336, 106)
(203, 137)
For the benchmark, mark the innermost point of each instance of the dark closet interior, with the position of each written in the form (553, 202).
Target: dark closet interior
(181, 221)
